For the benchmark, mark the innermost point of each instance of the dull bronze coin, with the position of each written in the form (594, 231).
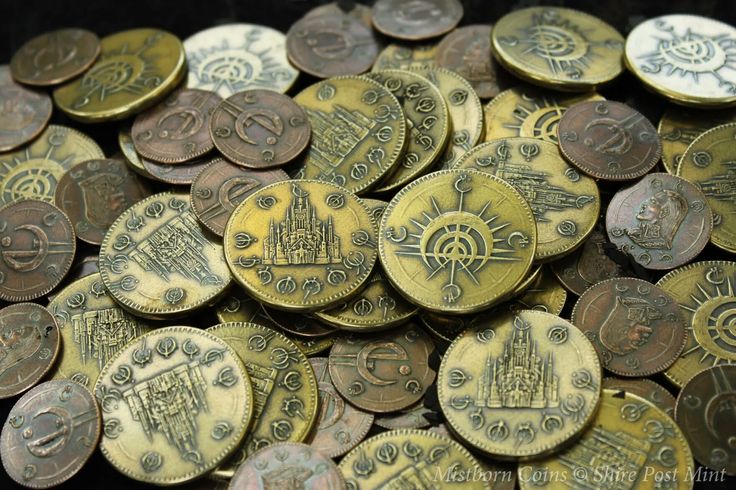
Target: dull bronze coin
(24, 114)
(416, 19)
(183, 174)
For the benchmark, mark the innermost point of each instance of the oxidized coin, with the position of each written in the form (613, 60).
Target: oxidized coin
(94, 193)
(408, 418)
(457, 240)
(297, 323)
(559, 48)
(564, 202)
(221, 186)
(383, 372)
(636, 327)
(127, 148)
(37, 247)
(182, 174)
(55, 57)
(686, 58)
(357, 11)
(608, 140)
(288, 465)
(50, 433)
(260, 128)
(156, 261)
(467, 51)
(416, 19)
(662, 221)
(234, 57)
(358, 132)
(534, 384)
(25, 113)
(178, 129)
(29, 344)
(136, 68)
(645, 388)
(175, 403)
(544, 294)
(301, 245)
(404, 57)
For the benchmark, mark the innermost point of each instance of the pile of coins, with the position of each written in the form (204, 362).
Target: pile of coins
(444, 262)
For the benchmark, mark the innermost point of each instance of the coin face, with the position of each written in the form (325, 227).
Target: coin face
(182, 174)
(408, 418)
(417, 19)
(686, 58)
(152, 62)
(29, 344)
(404, 57)
(467, 51)
(25, 114)
(544, 294)
(156, 261)
(645, 388)
(662, 221)
(231, 58)
(127, 148)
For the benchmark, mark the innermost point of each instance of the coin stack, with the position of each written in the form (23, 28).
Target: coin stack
(444, 260)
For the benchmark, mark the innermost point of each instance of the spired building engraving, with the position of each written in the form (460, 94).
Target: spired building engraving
(263, 380)
(101, 333)
(338, 133)
(721, 187)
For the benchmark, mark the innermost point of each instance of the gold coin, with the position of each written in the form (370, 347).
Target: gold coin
(404, 57)
(136, 68)
(457, 240)
(631, 444)
(156, 260)
(175, 403)
(519, 385)
(127, 148)
(545, 294)
(301, 245)
(565, 202)
(559, 48)
(33, 171)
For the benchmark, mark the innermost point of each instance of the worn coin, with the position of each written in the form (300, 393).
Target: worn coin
(467, 51)
(25, 113)
(182, 174)
(446, 328)
(297, 323)
(81, 267)
(356, 11)
(416, 19)
(544, 294)
(127, 148)
(645, 388)
(408, 418)
(404, 57)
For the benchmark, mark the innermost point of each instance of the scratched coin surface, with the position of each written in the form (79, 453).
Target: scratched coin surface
(383, 372)
(467, 51)
(156, 261)
(29, 344)
(662, 221)
(25, 113)
(181, 174)
(645, 388)
(405, 56)
(175, 403)
(416, 19)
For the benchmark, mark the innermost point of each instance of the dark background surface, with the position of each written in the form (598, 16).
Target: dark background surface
(22, 19)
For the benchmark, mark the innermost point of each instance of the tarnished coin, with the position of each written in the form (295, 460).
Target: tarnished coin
(239, 307)
(446, 327)
(221, 186)
(404, 57)
(231, 58)
(383, 372)
(25, 113)
(182, 174)
(156, 261)
(127, 148)
(544, 294)
(662, 221)
(136, 68)
(55, 57)
(533, 384)
(29, 344)
(645, 388)
(467, 51)
(37, 247)
(50, 433)
(297, 323)
(260, 128)
(636, 327)
(608, 140)
(356, 11)
(417, 19)
(175, 403)
(94, 193)
(81, 267)
(408, 418)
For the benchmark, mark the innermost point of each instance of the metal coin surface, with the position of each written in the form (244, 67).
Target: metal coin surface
(50, 434)
(662, 221)
(25, 113)
(404, 57)
(467, 51)
(127, 148)
(408, 418)
(29, 344)
(645, 388)
(544, 294)
(182, 174)
(297, 324)
(357, 11)
(81, 267)
(416, 19)
(446, 328)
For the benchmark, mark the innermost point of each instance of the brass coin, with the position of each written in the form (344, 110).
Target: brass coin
(404, 57)
(153, 63)
(312, 346)
(297, 323)
(29, 344)
(175, 403)
(544, 294)
(182, 174)
(558, 48)
(358, 132)
(417, 19)
(645, 388)
(55, 57)
(408, 418)
(447, 327)
(127, 148)
(239, 307)
(156, 261)
(564, 202)
(50, 434)
(25, 113)
(81, 267)
(383, 372)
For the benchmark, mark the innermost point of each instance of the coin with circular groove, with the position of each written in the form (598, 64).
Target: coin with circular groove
(29, 344)
(51, 432)
(181, 174)
(404, 57)
(25, 113)
(544, 294)
(127, 148)
(417, 19)
(645, 388)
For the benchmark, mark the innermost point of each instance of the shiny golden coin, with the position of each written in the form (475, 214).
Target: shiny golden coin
(564, 201)
(645, 388)
(545, 294)
(127, 148)
(136, 68)
(519, 385)
(408, 418)
(404, 57)
(156, 260)
(175, 403)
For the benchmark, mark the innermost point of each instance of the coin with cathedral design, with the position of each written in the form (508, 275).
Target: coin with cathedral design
(535, 385)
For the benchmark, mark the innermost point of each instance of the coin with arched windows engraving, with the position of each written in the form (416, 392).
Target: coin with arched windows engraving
(417, 19)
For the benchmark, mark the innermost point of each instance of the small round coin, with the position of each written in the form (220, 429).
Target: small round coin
(417, 19)
(405, 57)
(25, 113)
(645, 388)
(467, 51)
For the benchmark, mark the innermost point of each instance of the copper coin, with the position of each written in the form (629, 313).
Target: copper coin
(260, 128)
(183, 174)
(29, 344)
(331, 45)
(37, 245)
(24, 114)
(645, 388)
(609, 140)
(50, 433)
(297, 323)
(415, 20)
(662, 221)
(178, 129)
(635, 326)
(94, 193)
(221, 186)
(55, 57)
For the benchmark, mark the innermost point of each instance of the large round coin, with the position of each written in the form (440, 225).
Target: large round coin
(467, 51)
(405, 57)
(645, 388)
(175, 403)
(417, 19)
(25, 113)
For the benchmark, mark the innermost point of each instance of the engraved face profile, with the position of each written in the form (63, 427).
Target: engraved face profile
(659, 217)
(628, 326)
